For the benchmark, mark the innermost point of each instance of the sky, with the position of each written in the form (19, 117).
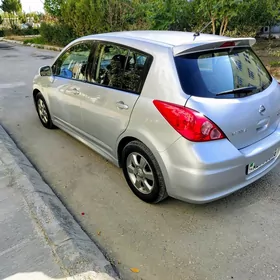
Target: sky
(32, 5)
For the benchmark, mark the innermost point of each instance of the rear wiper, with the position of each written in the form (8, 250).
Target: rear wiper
(238, 90)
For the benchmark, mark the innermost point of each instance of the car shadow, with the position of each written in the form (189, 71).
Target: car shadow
(6, 47)
(43, 56)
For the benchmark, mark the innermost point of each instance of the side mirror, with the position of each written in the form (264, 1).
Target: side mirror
(45, 71)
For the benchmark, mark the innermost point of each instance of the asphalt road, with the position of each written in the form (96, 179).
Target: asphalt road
(234, 238)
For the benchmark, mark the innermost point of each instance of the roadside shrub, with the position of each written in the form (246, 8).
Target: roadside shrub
(1, 33)
(275, 64)
(56, 34)
(36, 40)
(21, 32)
(29, 31)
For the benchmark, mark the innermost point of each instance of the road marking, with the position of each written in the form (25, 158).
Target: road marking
(13, 85)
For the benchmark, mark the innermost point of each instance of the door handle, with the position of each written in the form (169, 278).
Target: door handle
(121, 105)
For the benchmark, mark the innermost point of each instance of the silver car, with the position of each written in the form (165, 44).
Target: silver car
(192, 116)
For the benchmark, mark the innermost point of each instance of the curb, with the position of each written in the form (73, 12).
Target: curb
(45, 47)
(75, 251)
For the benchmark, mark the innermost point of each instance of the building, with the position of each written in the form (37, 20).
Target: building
(273, 31)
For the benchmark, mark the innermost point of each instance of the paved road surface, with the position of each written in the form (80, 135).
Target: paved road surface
(235, 238)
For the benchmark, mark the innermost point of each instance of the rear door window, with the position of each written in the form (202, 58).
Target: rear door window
(134, 71)
(210, 73)
(110, 65)
(120, 67)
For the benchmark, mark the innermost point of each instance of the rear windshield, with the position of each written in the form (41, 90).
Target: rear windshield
(209, 73)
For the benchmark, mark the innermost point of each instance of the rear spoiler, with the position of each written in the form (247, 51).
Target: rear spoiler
(212, 45)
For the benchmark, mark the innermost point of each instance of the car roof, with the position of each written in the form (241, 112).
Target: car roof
(180, 42)
(164, 38)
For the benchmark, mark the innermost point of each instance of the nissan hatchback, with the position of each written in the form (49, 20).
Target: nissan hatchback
(191, 116)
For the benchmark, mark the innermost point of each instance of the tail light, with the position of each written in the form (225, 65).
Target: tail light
(189, 123)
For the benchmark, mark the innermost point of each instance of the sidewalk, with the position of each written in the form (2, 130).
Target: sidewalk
(39, 239)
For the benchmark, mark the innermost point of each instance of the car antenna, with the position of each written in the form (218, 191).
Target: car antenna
(197, 33)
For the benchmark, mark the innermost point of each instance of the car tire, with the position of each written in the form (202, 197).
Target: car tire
(142, 173)
(43, 111)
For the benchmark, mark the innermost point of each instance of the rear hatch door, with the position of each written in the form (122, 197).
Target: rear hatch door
(231, 87)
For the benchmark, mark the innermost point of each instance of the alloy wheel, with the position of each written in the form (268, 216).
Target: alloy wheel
(140, 173)
(42, 109)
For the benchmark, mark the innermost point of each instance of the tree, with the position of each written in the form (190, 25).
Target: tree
(22, 17)
(273, 14)
(53, 7)
(220, 12)
(84, 16)
(254, 15)
(12, 7)
(166, 14)
(97, 16)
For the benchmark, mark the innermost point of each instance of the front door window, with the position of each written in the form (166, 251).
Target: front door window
(73, 63)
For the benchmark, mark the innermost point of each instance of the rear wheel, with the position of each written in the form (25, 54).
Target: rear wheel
(142, 172)
(43, 111)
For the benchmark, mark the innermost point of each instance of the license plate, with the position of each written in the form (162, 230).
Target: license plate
(253, 166)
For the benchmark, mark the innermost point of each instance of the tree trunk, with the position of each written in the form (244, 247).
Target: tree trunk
(269, 31)
(225, 27)
(222, 27)
(213, 25)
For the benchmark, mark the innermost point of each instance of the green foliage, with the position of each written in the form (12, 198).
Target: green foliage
(36, 17)
(96, 16)
(275, 64)
(53, 7)
(169, 14)
(225, 17)
(90, 11)
(20, 32)
(36, 40)
(22, 17)
(253, 15)
(219, 12)
(1, 20)
(11, 6)
(56, 34)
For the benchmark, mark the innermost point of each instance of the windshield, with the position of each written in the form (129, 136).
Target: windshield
(209, 73)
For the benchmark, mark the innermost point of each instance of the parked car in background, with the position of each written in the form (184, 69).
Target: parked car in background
(192, 116)
(24, 26)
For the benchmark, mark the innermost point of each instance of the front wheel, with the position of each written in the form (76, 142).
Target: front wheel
(43, 111)
(142, 173)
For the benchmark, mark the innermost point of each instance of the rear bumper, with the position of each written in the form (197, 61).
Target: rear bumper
(203, 172)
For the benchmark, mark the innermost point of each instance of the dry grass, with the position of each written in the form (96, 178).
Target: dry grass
(21, 38)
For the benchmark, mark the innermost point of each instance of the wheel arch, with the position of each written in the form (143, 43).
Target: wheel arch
(38, 89)
(35, 93)
(132, 135)
(123, 142)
